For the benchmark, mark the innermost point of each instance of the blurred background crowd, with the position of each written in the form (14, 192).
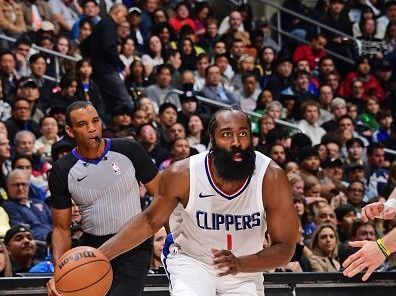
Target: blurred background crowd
(328, 123)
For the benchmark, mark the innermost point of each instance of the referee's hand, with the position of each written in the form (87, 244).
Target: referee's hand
(52, 289)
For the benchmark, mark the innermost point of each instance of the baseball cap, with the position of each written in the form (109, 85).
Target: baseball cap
(14, 231)
(337, 102)
(135, 10)
(47, 26)
(28, 83)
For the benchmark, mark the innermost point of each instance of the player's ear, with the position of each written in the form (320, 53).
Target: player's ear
(69, 131)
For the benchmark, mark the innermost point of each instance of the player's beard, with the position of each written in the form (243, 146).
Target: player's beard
(231, 170)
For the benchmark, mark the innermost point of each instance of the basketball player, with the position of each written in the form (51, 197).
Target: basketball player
(102, 177)
(230, 196)
(373, 254)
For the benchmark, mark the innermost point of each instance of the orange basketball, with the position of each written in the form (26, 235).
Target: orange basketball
(83, 271)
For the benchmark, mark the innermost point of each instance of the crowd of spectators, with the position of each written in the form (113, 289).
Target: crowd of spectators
(133, 54)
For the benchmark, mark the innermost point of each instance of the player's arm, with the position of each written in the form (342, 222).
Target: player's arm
(61, 236)
(369, 256)
(152, 185)
(381, 210)
(282, 224)
(172, 188)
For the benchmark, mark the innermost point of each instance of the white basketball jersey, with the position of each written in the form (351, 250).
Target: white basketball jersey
(213, 219)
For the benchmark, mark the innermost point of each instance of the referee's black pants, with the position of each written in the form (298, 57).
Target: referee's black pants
(129, 269)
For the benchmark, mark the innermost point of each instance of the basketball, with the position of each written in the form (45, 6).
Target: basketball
(83, 271)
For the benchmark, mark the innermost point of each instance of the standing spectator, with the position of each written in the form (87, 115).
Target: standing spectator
(106, 64)
(65, 13)
(12, 23)
(21, 209)
(309, 124)
(312, 52)
(149, 6)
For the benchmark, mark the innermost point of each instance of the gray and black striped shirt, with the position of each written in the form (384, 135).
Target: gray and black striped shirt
(105, 189)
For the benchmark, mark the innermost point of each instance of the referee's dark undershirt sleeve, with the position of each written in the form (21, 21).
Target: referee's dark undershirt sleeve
(57, 183)
(144, 166)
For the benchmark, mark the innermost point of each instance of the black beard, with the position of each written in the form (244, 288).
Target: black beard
(231, 170)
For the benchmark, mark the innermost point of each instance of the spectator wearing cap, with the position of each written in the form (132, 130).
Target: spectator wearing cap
(312, 52)
(309, 124)
(354, 172)
(345, 217)
(121, 123)
(282, 78)
(135, 19)
(12, 23)
(61, 148)
(21, 209)
(248, 94)
(29, 90)
(332, 181)
(21, 248)
(389, 17)
(384, 74)
(65, 13)
(35, 12)
(309, 162)
(90, 11)
(338, 109)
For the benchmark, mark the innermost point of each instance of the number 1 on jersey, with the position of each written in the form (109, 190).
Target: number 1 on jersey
(229, 242)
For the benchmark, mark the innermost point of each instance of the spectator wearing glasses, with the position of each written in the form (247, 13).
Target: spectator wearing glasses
(21, 209)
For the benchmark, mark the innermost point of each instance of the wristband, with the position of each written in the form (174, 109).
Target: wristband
(383, 248)
(390, 203)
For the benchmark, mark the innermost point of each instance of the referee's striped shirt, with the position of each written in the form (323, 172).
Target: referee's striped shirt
(106, 189)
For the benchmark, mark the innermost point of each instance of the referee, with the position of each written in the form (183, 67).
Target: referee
(102, 177)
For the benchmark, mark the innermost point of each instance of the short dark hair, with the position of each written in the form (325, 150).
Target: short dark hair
(346, 116)
(165, 106)
(17, 100)
(24, 39)
(142, 126)
(210, 67)
(18, 157)
(36, 57)
(75, 106)
(349, 143)
(162, 67)
(374, 146)
(67, 81)
(247, 75)
(213, 120)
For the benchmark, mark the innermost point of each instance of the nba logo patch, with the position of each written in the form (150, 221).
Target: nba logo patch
(116, 168)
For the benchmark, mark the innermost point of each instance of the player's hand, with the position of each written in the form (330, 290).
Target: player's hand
(369, 256)
(51, 288)
(226, 261)
(376, 209)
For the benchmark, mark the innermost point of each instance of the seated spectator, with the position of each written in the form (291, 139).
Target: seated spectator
(47, 264)
(5, 108)
(211, 36)
(167, 117)
(179, 150)
(277, 154)
(385, 120)
(309, 124)
(4, 224)
(377, 172)
(312, 52)
(90, 11)
(21, 209)
(366, 122)
(65, 13)
(248, 94)
(5, 262)
(49, 131)
(29, 90)
(158, 244)
(150, 108)
(355, 195)
(35, 12)
(8, 75)
(127, 52)
(24, 145)
(354, 172)
(23, 47)
(25, 163)
(154, 54)
(21, 248)
(324, 248)
(160, 91)
(147, 136)
(121, 125)
(12, 23)
(355, 152)
(324, 213)
(5, 164)
(196, 133)
(345, 217)
(21, 119)
(181, 18)
(61, 148)
(67, 94)
(309, 161)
